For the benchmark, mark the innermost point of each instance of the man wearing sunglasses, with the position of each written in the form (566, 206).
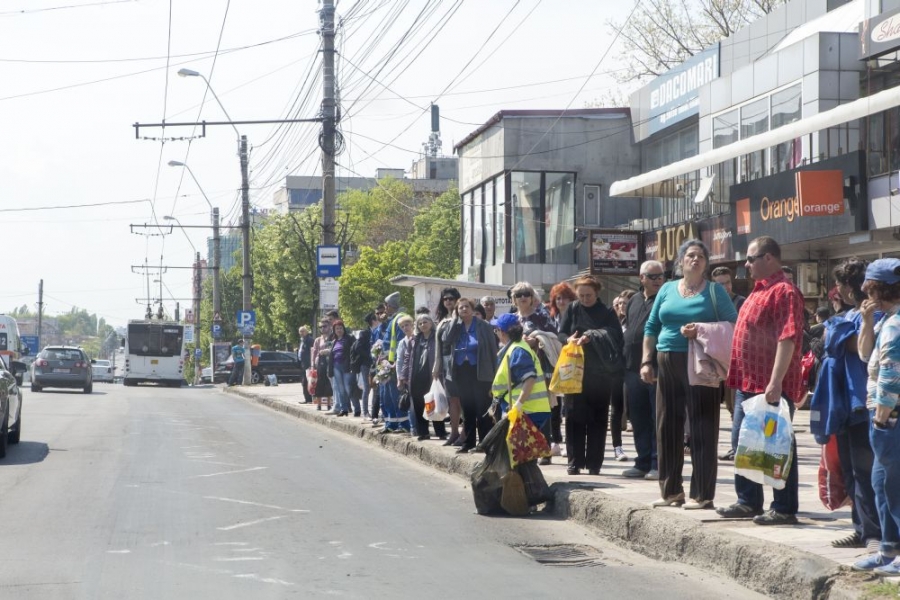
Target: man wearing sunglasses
(641, 397)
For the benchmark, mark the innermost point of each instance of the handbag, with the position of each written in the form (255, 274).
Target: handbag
(405, 401)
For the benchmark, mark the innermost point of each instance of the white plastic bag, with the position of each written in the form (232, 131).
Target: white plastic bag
(437, 407)
(271, 379)
(764, 445)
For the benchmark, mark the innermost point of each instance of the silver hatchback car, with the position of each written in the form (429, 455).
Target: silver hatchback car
(61, 366)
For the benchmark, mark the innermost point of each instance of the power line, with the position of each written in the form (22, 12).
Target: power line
(65, 206)
(37, 10)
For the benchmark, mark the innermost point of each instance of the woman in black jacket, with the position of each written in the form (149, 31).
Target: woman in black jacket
(594, 326)
(419, 366)
(339, 369)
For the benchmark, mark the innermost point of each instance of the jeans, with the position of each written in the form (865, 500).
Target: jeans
(886, 483)
(363, 380)
(237, 373)
(641, 399)
(390, 404)
(342, 390)
(750, 493)
(856, 463)
(617, 404)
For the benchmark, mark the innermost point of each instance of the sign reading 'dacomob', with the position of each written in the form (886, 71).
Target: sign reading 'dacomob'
(328, 261)
(675, 95)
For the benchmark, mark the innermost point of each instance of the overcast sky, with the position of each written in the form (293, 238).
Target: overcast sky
(75, 75)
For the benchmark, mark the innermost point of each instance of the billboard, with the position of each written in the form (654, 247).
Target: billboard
(675, 95)
(615, 252)
(879, 35)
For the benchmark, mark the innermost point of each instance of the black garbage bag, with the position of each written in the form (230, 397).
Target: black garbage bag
(488, 476)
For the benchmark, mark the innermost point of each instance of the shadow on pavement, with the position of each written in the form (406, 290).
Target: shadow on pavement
(25, 453)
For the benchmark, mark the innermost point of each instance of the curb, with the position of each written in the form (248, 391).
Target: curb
(775, 570)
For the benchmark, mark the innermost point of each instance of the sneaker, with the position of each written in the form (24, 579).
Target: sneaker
(773, 517)
(874, 561)
(891, 570)
(555, 450)
(692, 504)
(727, 457)
(652, 475)
(620, 454)
(634, 473)
(738, 511)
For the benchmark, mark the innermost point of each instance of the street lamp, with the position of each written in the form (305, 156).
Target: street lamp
(217, 243)
(245, 210)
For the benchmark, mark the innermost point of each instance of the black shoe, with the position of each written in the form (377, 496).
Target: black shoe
(593, 471)
(544, 461)
(771, 517)
(727, 457)
(442, 437)
(343, 413)
(573, 471)
(422, 438)
(463, 449)
(738, 511)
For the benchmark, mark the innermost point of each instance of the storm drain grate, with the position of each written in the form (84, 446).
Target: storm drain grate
(563, 556)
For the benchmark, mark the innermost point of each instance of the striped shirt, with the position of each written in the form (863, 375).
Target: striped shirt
(883, 387)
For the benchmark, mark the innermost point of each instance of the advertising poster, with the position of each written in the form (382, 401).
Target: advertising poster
(615, 252)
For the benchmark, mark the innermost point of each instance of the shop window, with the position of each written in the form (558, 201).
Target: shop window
(725, 129)
(489, 243)
(466, 232)
(478, 228)
(500, 253)
(787, 107)
(754, 120)
(528, 224)
(559, 216)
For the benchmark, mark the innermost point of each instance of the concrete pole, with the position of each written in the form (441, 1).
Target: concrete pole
(326, 19)
(217, 261)
(246, 277)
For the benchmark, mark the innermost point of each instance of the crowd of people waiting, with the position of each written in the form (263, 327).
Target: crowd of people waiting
(636, 364)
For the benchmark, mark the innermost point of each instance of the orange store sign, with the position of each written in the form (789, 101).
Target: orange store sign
(821, 193)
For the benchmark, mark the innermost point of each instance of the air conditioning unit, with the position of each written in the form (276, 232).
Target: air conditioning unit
(640, 224)
(807, 279)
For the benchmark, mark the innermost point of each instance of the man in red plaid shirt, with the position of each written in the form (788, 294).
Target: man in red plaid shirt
(765, 359)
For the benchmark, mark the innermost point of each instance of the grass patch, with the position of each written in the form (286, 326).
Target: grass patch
(873, 591)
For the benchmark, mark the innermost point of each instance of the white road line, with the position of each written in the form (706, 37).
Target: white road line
(118, 551)
(247, 523)
(246, 549)
(238, 558)
(231, 544)
(242, 502)
(256, 577)
(229, 472)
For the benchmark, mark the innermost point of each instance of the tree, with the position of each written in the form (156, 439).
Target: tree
(662, 34)
(383, 213)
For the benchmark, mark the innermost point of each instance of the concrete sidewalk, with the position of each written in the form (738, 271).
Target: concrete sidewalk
(785, 561)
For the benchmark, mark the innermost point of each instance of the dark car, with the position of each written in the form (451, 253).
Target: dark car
(284, 365)
(62, 366)
(10, 407)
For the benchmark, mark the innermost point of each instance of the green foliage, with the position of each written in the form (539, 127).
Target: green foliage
(381, 214)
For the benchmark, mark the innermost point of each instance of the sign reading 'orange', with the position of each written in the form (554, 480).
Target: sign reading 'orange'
(821, 193)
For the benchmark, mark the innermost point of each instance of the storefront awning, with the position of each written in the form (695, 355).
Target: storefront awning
(661, 182)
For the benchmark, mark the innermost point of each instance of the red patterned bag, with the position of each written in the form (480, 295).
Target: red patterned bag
(526, 442)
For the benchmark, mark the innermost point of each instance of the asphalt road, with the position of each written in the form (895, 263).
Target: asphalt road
(160, 493)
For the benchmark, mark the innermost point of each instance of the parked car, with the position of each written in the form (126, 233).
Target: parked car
(102, 370)
(10, 408)
(284, 365)
(62, 366)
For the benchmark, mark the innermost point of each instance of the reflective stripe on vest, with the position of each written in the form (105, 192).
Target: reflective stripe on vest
(393, 337)
(538, 401)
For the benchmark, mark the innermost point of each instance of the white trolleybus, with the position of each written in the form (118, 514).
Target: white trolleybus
(153, 353)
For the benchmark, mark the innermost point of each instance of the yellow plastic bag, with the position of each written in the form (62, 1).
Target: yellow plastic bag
(569, 371)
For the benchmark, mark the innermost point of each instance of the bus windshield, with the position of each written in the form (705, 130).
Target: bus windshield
(154, 339)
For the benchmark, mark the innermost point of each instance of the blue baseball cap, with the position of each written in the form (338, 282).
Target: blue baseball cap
(505, 321)
(886, 270)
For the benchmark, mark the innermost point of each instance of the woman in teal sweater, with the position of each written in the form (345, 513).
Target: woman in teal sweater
(679, 305)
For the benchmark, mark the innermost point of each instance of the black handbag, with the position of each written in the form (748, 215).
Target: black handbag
(405, 400)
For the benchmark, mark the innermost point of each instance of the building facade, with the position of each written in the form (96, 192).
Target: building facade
(529, 178)
(788, 128)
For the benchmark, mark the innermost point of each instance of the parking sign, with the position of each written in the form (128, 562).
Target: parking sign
(246, 322)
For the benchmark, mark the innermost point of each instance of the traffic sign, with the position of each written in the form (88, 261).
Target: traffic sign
(32, 343)
(246, 321)
(198, 352)
(328, 261)
(217, 317)
(329, 290)
(188, 315)
(188, 334)
(216, 331)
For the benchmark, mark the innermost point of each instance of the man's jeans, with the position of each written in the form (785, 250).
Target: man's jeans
(363, 381)
(750, 493)
(641, 398)
(886, 481)
(237, 373)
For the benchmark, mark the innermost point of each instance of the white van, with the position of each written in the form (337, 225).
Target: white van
(10, 341)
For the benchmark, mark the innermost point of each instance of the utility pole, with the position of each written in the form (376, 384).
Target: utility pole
(40, 322)
(326, 20)
(217, 260)
(246, 278)
(198, 289)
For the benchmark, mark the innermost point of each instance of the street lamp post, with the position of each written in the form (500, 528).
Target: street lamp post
(217, 243)
(246, 278)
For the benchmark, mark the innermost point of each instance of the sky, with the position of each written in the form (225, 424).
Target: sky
(75, 75)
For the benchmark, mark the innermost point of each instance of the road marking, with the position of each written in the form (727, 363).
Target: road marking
(242, 502)
(246, 549)
(231, 544)
(238, 558)
(247, 523)
(256, 577)
(229, 472)
(118, 551)
(344, 554)
(156, 544)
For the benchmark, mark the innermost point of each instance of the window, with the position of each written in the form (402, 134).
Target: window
(725, 129)
(154, 340)
(528, 224)
(489, 243)
(591, 201)
(786, 108)
(500, 255)
(478, 227)
(467, 232)
(559, 216)
(754, 120)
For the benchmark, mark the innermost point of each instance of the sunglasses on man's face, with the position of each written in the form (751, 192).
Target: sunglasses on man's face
(654, 276)
(753, 257)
